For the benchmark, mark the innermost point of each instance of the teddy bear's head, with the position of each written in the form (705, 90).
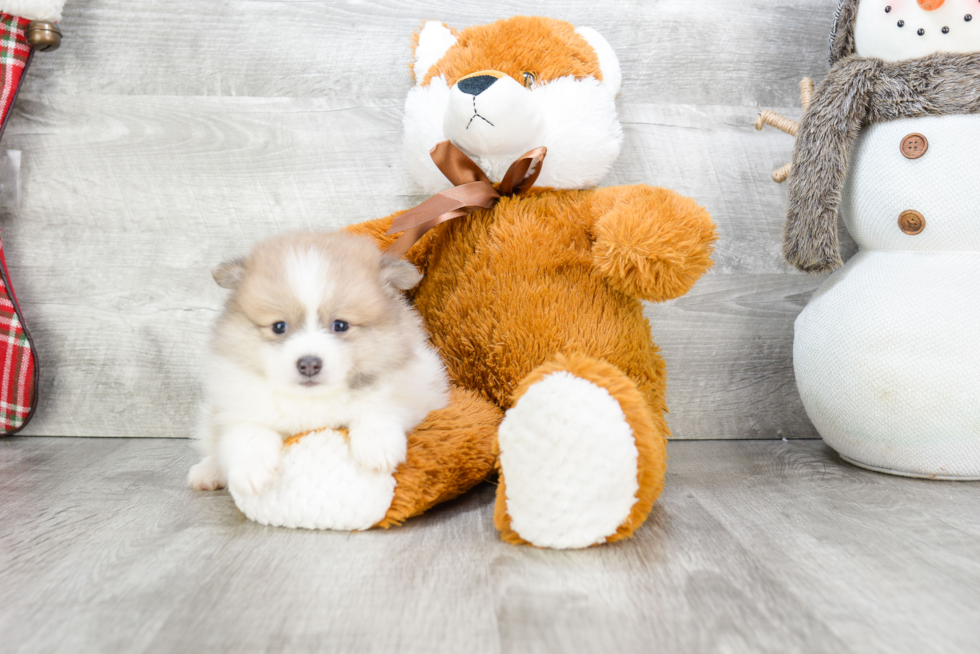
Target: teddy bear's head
(499, 90)
(895, 30)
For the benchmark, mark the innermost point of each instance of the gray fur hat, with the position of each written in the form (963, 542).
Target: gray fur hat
(842, 36)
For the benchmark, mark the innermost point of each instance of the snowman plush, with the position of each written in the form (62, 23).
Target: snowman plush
(887, 353)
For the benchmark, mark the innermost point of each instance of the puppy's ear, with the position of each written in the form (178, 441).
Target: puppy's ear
(229, 274)
(398, 273)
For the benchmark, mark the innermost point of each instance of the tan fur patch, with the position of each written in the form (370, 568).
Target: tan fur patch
(382, 327)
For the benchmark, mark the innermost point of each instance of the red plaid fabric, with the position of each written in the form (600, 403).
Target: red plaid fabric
(14, 52)
(18, 380)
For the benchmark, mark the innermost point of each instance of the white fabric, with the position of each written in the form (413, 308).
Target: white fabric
(612, 74)
(44, 10)
(320, 486)
(887, 353)
(877, 33)
(435, 39)
(570, 463)
(943, 185)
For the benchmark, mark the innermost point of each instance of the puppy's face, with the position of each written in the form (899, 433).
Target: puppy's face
(313, 313)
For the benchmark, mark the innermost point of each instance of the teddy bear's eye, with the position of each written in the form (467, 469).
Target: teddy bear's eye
(529, 80)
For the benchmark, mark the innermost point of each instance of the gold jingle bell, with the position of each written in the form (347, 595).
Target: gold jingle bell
(43, 37)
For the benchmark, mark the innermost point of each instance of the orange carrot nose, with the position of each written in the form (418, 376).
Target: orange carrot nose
(929, 5)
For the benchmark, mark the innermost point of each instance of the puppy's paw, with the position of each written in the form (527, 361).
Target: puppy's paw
(380, 448)
(252, 457)
(205, 475)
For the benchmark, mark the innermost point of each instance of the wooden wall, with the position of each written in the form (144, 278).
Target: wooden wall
(166, 136)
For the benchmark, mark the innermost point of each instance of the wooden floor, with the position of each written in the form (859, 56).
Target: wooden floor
(755, 546)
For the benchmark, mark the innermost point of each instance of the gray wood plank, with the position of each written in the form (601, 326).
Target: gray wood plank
(713, 52)
(162, 139)
(119, 298)
(755, 546)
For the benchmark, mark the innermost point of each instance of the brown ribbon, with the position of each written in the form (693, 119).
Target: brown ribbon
(471, 191)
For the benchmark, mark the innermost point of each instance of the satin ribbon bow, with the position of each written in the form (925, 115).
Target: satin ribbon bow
(471, 191)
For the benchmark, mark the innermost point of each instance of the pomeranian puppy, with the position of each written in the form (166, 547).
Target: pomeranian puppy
(316, 334)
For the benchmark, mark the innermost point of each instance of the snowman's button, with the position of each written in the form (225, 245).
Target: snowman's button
(914, 146)
(911, 222)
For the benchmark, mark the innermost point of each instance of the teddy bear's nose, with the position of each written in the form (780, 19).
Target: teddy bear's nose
(476, 85)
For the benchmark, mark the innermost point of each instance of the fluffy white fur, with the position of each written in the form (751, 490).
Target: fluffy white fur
(379, 384)
(46, 10)
(612, 74)
(877, 34)
(434, 40)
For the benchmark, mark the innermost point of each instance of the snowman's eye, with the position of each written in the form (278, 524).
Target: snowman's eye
(888, 9)
(968, 17)
(945, 30)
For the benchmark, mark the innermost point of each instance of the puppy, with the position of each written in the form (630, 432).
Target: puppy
(316, 334)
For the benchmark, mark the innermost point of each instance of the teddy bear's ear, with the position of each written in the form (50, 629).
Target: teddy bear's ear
(229, 274)
(398, 273)
(612, 75)
(429, 46)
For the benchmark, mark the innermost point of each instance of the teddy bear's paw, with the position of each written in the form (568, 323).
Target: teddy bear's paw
(569, 463)
(205, 475)
(380, 447)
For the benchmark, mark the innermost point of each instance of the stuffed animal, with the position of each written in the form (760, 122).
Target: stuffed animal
(532, 291)
(887, 354)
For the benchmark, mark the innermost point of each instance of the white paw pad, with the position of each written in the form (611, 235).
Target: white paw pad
(321, 486)
(570, 463)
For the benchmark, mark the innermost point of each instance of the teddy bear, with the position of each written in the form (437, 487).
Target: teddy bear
(886, 353)
(532, 294)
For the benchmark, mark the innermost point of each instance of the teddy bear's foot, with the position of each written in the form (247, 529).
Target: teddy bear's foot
(582, 458)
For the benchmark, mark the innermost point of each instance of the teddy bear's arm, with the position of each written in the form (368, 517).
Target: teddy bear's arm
(651, 243)
(377, 229)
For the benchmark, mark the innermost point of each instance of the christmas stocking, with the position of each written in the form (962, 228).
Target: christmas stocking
(21, 35)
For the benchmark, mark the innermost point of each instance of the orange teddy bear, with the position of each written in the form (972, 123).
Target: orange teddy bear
(535, 303)
(534, 298)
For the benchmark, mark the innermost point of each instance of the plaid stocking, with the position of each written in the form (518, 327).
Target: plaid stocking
(18, 377)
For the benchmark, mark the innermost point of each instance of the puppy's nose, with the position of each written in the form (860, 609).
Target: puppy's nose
(476, 85)
(309, 366)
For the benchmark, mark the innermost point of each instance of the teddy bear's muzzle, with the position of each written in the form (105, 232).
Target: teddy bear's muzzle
(490, 114)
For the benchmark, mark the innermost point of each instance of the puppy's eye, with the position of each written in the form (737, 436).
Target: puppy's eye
(529, 80)
(340, 326)
(280, 327)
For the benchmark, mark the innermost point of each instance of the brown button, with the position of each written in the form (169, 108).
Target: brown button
(914, 146)
(911, 222)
